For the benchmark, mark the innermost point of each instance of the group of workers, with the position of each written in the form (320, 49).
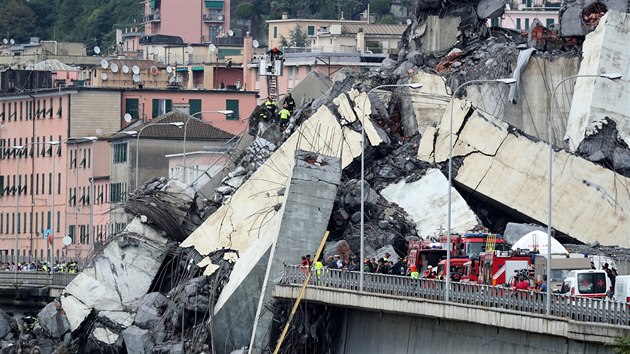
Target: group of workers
(270, 111)
(71, 267)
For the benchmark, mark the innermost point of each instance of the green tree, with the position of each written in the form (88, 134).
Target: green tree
(621, 345)
(17, 20)
(245, 10)
(386, 20)
(299, 38)
(380, 7)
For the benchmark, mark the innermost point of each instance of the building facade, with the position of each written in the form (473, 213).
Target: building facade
(196, 21)
(49, 158)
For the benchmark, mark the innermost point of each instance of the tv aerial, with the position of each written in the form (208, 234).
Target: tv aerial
(104, 64)
(97, 50)
(125, 69)
(114, 67)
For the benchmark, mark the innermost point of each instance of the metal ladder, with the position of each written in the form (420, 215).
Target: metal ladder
(272, 87)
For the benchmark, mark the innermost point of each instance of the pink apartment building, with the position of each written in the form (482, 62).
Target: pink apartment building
(43, 170)
(196, 21)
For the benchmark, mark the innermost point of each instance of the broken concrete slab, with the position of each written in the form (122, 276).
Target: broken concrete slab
(238, 228)
(436, 33)
(426, 202)
(490, 8)
(121, 318)
(305, 212)
(374, 134)
(53, 320)
(93, 293)
(105, 335)
(7, 324)
(138, 340)
(514, 231)
(380, 253)
(150, 310)
(511, 170)
(428, 103)
(75, 310)
(597, 99)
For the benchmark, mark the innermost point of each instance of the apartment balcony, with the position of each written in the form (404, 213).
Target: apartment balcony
(154, 16)
(207, 18)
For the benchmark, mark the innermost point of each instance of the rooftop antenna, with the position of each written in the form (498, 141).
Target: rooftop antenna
(169, 69)
(230, 33)
(104, 64)
(5, 41)
(114, 67)
(97, 50)
(189, 50)
(104, 76)
(125, 69)
(12, 41)
(136, 70)
(128, 117)
(255, 43)
(212, 47)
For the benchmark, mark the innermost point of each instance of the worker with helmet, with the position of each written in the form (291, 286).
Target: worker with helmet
(414, 272)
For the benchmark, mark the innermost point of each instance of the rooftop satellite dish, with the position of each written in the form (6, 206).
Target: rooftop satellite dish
(67, 240)
(127, 117)
(5, 41)
(155, 51)
(169, 69)
(104, 64)
(12, 41)
(230, 33)
(114, 67)
(212, 47)
(99, 131)
(135, 69)
(125, 69)
(104, 76)
(408, 22)
(97, 50)
(189, 50)
(136, 78)
(255, 44)
(154, 70)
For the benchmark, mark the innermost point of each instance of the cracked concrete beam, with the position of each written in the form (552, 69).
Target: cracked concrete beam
(605, 50)
(371, 131)
(426, 202)
(429, 103)
(590, 203)
(75, 310)
(238, 229)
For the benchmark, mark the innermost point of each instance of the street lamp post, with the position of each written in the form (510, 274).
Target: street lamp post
(175, 124)
(17, 209)
(447, 274)
(365, 117)
(225, 112)
(613, 77)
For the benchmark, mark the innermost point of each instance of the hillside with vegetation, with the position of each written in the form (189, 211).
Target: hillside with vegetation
(86, 21)
(92, 22)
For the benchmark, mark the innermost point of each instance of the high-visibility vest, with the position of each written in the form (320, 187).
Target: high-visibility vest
(318, 267)
(415, 275)
(285, 114)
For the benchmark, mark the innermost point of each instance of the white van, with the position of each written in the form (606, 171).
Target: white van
(586, 283)
(622, 289)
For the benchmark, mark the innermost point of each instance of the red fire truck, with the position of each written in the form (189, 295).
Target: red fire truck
(499, 267)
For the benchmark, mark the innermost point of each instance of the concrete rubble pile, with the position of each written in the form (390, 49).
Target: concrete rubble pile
(499, 157)
(141, 293)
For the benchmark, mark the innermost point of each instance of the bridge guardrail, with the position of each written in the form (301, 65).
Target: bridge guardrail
(576, 308)
(35, 279)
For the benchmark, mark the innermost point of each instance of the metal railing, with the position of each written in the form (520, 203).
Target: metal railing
(576, 308)
(34, 279)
